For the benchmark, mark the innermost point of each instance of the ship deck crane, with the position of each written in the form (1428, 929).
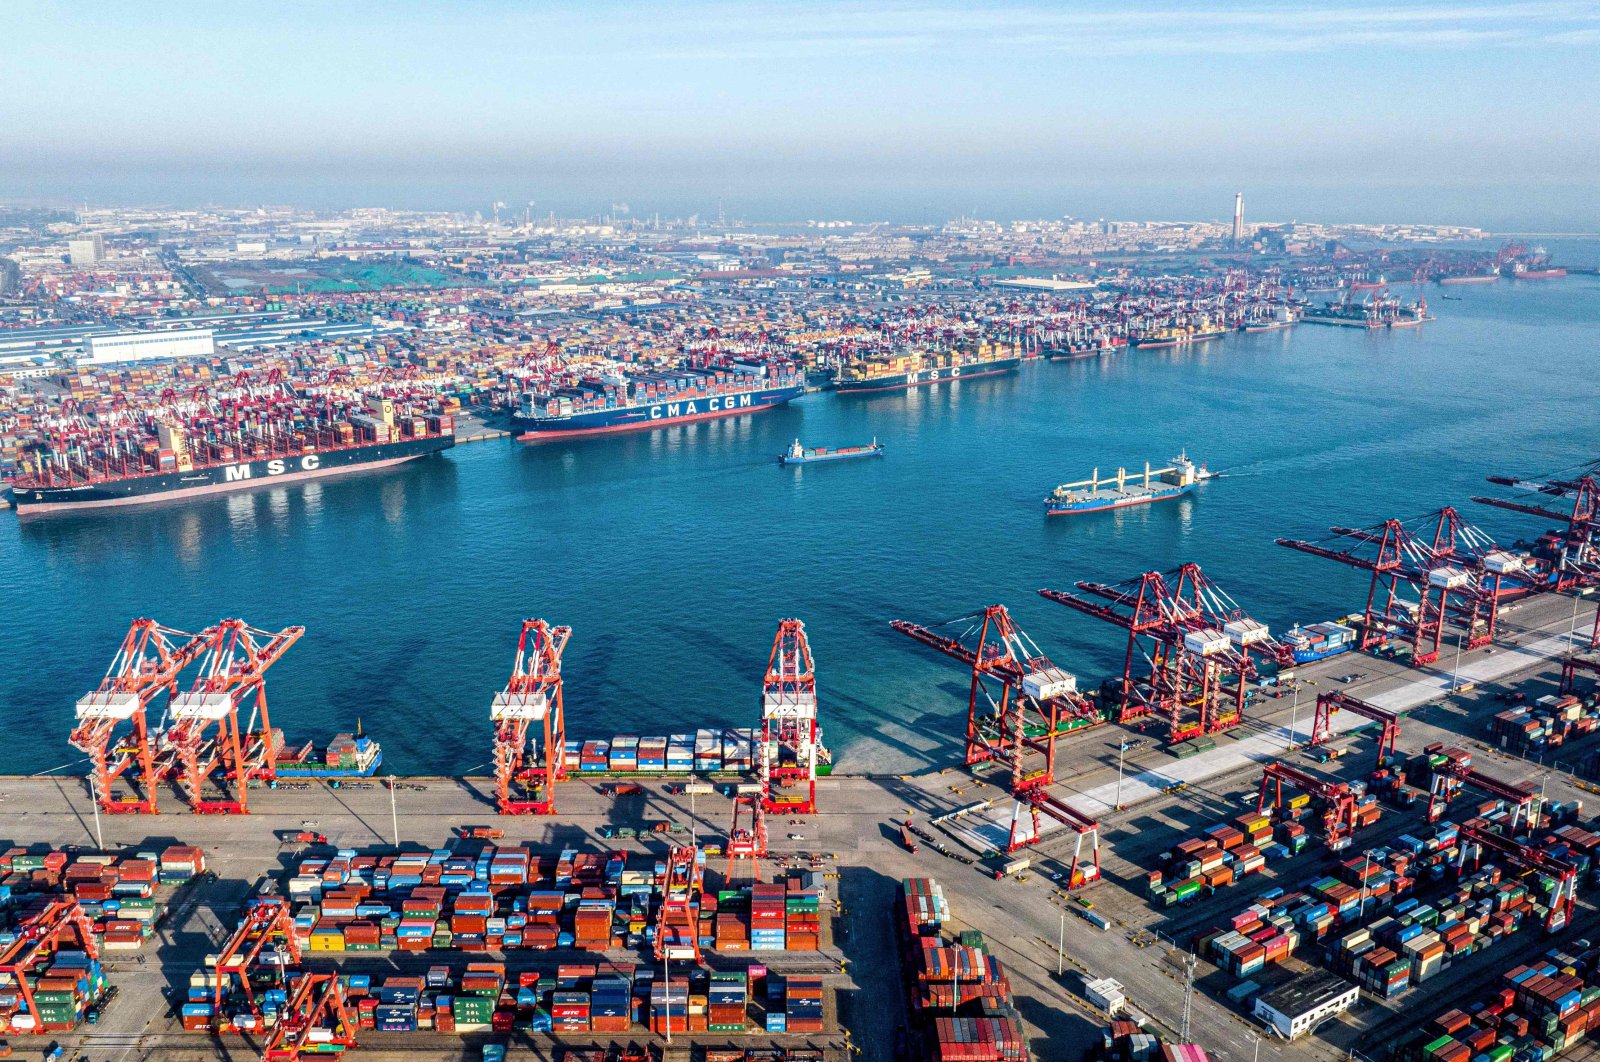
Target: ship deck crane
(317, 1020)
(1338, 800)
(677, 925)
(1424, 574)
(791, 740)
(1330, 704)
(268, 923)
(41, 934)
(1474, 840)
(1035, 700)
(206, 740)
(532, 697)
(1191, 649)
(147, 664)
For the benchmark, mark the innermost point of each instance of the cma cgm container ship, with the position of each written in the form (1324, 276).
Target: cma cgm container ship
(618, 400)
(178, 463)
(918, 368)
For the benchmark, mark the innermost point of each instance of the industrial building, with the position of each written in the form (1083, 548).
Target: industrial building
(88, 251)
(1304, 1003)
(144, 346)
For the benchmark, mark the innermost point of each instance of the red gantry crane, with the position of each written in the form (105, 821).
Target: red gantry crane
(791, 740)
(146, 666)
(1018, 702)
(207, 740)
(677, 919)
(1569, 556)
(1330, 704)
(747, 843)
(58, 923)
(1338, 800)
(1534, 861)
(1191, 649)
(532, 697)
(318, 1019)
(1455, 770)
(268, 924)
(1436, 570)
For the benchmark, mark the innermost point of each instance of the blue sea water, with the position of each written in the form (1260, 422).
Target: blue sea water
(674, 553)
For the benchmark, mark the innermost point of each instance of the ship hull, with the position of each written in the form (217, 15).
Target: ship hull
(1098, 505)
(1488, 278)
(316, 770)
(656, 415)
(1271, 326)
(218, 479)
(1311, 656)
(846, 455)
(928, 377)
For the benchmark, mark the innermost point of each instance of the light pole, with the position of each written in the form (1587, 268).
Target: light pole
(394, 813)
(1456, 670)
(94, 802)
(1577, 596)
(1255, 1055)
(1061, 944)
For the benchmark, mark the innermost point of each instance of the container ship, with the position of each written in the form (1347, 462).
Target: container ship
(891, 372)
(710, 751)
(619, 400)
(1371, 314)
(1177, 337)
(799, 455)
(176, 460)
(1319, 641)
(1095, 494)
(1092, 348)
(346, 756)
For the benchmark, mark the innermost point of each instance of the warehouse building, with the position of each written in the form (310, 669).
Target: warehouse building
(144, 346)
(1304, 1003)
(87, 252)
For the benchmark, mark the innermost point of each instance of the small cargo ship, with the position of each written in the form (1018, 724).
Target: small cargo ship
(917, 368)
(346, 756)
(1091, 349)
(1177, 337)
(177, 465)
(799, 455)
(1319, 641)
(1095, 494)
(621, 401)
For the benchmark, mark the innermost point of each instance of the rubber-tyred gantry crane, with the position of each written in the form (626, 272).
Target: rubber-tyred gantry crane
(1191, 653)
(57, 923)
(1532, 861)
(791, 740)
(146, 666)
(677, 919)
(1018, 702)
(526, 785)
(1436, 570)
(1455, 770)
(268, 924)
(1338, 800)
(1331, 703)
(317, 1020)
(747, 838)
(206, 740)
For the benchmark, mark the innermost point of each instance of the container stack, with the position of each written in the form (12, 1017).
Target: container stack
(794, 1004)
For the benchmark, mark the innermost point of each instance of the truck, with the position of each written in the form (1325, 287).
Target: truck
(481, 833)
(906, 839)
(694, 789)
(622, 789)
(301, 837)
(1012, 867)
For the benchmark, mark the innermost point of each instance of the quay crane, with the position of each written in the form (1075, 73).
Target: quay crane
(1572, 551)
(1330, 704)
(319, 1019)
(1035, 702)
(791, 740)
(146, 666)
(205, 740)
(58, 923)
(1191, 648)
(1017, 726)
(532, 696)
(1425, 574)
(268, 923)
(677, 924)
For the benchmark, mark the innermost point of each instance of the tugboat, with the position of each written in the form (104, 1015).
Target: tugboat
(799, 455)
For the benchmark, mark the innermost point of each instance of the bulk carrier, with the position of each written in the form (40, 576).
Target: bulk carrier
(919, 368)
(182, 462)
(618, 400)
(1123, 489)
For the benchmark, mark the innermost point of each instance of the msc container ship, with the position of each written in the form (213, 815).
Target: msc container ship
(619, 401)
(175, 464)
(918, 368)
(1123, 490)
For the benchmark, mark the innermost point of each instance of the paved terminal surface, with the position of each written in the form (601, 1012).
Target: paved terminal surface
(856, 837)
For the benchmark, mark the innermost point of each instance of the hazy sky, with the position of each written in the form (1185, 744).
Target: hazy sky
(1441, 110)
